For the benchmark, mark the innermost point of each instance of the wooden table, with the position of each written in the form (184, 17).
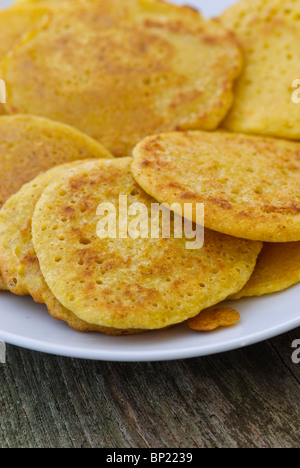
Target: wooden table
(245, 398)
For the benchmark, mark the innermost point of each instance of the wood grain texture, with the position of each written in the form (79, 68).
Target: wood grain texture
(246, 398)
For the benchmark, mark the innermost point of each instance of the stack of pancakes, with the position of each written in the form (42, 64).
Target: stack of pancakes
(147, 100)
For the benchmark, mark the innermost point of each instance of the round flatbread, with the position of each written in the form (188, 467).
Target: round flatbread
(31, 145)
(268, 32)
(17, 256)
(18, 261)
(124, 70)
(277, 269)
(249, 185)
(127, 283)
(17, 22)
(2, 285)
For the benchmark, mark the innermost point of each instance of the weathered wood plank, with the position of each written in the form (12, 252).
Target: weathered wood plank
(246, 398)
(285, 350)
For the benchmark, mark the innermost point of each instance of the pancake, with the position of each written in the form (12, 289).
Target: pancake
(249, 185)
(277, 269)
(2, 285)
(127, 283)
(61, 313)
(19, 21)
(17, 255)
(125, 70)
(18, 262)
(14, 24)
(268, 31)
(31, 145)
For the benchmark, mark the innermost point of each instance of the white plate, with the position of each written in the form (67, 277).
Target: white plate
(28, 325)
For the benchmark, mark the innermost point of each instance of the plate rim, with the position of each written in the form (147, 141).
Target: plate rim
(150, 356)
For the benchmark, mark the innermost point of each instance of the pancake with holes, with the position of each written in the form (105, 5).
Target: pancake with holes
(127, 282)
(268, 31)
(125, 70)
(277, 269)
(249, 185)
(31, 145)
(17, 255)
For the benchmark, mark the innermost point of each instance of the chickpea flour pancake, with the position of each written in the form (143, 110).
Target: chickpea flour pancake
(268, 31)
(128, 283)
(250, 185)
(121, 70)
(30, 145)
(18, 258)
(17, 22)
(277, 269)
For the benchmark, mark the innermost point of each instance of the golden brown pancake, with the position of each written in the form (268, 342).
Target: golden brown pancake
(2, 285)
(277, 269)
(17, 22)
(249, 185)
(30, 145)
(122, 70)
(128, 282)
(269, 34)
(17, 256)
